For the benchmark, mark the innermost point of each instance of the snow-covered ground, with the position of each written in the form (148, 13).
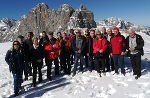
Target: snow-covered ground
(86, 85)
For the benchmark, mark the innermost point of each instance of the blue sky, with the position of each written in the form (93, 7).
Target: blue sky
(135, 11)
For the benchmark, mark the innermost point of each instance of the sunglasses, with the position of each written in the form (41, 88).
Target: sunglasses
(15, 44)
(98, 34)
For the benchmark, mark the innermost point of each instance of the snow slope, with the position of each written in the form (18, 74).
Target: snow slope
(86, 85)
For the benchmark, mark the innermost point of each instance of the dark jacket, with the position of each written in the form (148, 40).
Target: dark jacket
(108, 50)
(28, 44)
(82, 46)
(37, 54)
(14, 59)
(117, 44)
(42, 40)
(140, 44)
(65, 46)
(89, 45)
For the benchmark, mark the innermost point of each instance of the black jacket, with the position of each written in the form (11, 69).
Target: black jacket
(14, 59)
(82, 47)
(108, 50)
(140, 44)
(37, 54)
(42, 40)
(89, 45)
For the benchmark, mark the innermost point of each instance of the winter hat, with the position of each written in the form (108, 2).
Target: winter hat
(116, 28)
(50, 33)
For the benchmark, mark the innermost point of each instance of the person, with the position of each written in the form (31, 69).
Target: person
(44, 38)
(86, 35)
(59, 38)
(89, 45)
(70, 36)
(24, 51)
(99, 48)
(108, 36)
(104, 33)
(37, 55)
(118, 49)
(28, 43)
(134, 44)
(65, 53)
(78, 45)
(41, 43)
(52, 54)
(14, 59)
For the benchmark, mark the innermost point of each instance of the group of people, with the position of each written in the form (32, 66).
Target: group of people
(96, 50)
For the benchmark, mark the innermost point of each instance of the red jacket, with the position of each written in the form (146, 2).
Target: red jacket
(97, 45)
(49, 49)
(117, 44)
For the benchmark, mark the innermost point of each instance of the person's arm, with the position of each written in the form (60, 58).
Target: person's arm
(7, 59)
(74, 45)
(140, 45)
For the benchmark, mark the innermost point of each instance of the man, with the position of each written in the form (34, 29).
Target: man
(89, 45)
(28, 44)
(25, 52)
(86, 35)
(52, 54)
(65, 47)
(41, 43)
(104, 33)
(108, 36)
(118, 50)
(134, 44)
(99, 48)
(78, 45)
(44, 38)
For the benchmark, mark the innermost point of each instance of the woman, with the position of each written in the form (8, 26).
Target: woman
(65, 53)
(99, 48)
(37, 55)
(14, 59)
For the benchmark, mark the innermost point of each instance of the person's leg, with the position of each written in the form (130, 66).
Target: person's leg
(49, 65)
(102, 64)
(34, 74)
(133, 63)
(68, 64)
(115, 58)
(138, 64)
(81, 62)
(26, 71)
(64, 63)
(121, 60)
(86, 61)
(72, 57)
(16, 89)
(56, 63)
(97, 64)
(112, 64)
(40, 73)
(75, 63)
(107, 61)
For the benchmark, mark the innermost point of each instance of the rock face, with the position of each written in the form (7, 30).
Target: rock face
(41, 18)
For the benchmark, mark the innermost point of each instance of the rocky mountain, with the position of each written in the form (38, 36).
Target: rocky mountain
(122, 25)
(41, 18)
